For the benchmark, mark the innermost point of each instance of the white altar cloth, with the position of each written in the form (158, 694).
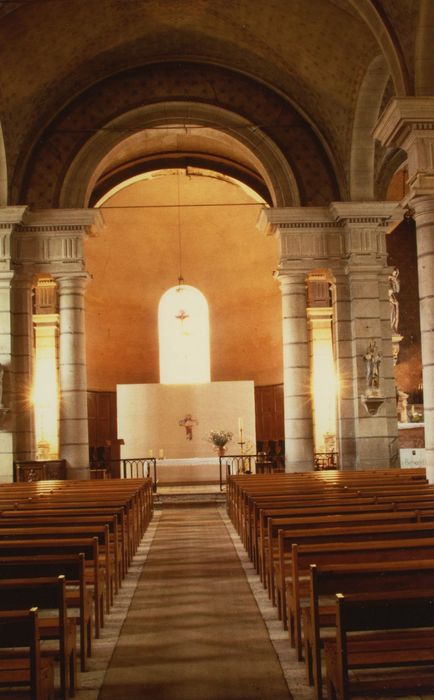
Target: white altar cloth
(188, 471)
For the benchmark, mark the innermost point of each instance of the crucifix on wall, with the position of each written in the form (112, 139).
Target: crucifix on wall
(188, 423)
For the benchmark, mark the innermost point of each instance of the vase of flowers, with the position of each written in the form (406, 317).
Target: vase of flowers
(220, 438)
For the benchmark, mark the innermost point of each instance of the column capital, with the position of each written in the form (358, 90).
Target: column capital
(51, 240)
(318, 237)
(10, 219)
(408, 123)
(10, 216)
(80, 277)
(89, 221)
(365, 213)
(402, 116)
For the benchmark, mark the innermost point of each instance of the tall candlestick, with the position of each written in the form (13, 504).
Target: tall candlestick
(150, 453)
(160, 453)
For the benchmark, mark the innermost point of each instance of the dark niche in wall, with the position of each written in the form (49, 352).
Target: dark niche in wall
(402, 253)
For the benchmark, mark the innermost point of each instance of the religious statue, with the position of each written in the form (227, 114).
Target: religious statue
(372, 364)
(394, 288)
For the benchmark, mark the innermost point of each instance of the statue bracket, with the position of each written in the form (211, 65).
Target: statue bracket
(372, 403)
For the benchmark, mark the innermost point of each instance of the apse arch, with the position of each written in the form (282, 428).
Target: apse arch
(259, 151)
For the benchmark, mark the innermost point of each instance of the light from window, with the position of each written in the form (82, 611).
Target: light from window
(183, 329)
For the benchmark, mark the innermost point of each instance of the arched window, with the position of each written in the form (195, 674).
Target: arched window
(183, 329)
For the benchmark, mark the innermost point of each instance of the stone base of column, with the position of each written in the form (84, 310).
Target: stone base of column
(292, 467)
(78, 473)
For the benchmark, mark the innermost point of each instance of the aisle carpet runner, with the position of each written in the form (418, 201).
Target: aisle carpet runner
(193, 631)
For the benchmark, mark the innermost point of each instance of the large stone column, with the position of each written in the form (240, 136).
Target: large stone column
(73, 424)
(424, 217)
(346, 242)
(22, 352)
(12, 366)
(296, 373)
(408, 123)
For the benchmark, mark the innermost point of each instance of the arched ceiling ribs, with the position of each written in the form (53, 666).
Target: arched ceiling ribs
(362, 166)
(376, 19)
(64, 165)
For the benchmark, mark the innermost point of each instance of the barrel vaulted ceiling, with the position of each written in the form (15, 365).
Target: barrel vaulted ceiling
(294, 69)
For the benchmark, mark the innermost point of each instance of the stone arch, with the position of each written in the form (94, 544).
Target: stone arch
(366, 115)
(268, 161)
(3, 172)
(377, 21)
(424, 60)
(113, 110)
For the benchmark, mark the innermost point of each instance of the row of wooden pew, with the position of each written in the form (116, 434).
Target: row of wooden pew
(65, 548)
(348, 561)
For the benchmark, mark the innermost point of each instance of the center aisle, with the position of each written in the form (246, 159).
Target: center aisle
(193, 631)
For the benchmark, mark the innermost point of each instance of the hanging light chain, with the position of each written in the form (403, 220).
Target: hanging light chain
(180, 277)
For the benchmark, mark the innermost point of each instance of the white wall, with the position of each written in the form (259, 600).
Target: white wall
(149, 416)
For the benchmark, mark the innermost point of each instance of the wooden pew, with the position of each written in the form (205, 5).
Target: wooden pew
(339, 529)
(404, 642)
(262, 509)
(273, 520)
(47, 594)
(118, 512)
(372, 488)
(68, 532)
(72, 566)
(241, 487)
(355, 577)
(19, 629)
(35, 519)
(88, 546)
(133, 494)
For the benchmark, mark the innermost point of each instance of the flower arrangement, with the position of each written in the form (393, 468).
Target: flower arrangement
(219, 438)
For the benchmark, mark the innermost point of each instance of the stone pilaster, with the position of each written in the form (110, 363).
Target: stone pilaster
(296, 374)
(408, 123)
(375, 436)
(322, 365)
(347, 389)
(73, 424)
